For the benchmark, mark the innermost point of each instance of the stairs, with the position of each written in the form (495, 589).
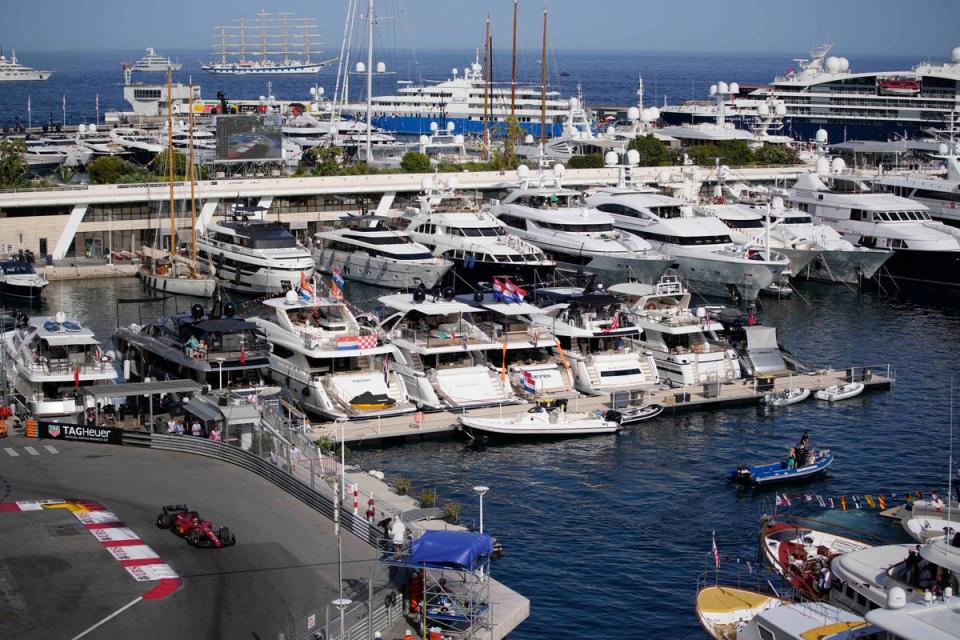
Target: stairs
(502, 387)
(395, 389)
(415, 361)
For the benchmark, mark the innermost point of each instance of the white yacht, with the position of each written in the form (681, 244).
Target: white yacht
(805, 621)
(141, 146)
(250, 255)
(710, 262)
(577, 236)
(480, 246)
(333, 365)
(154, 62)
(41, 157)
(368, 250)
(684, 343)
(99, 142)
(941, 196)
(49, 358)
(13, 71)
(444, 356)
(75, 154)
(923, 250)
(594, 335)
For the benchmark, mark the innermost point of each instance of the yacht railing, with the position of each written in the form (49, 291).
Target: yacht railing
(258, 349)
(439, 337)
(63, 366)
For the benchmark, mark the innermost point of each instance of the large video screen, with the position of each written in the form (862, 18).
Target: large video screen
(243, 138)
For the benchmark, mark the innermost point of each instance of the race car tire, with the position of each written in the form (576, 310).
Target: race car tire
(226, 538)
(164, 521)
(193, 538)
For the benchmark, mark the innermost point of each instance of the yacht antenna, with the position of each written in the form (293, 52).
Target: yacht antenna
(369, 72)
(543, 83)
(173, 230)
(486, 91)
(513, 70)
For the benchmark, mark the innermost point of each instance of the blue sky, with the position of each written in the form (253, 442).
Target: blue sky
(896, 27)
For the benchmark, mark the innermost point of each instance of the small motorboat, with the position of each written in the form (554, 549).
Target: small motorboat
(722, 611)
(787, 397)
(368, 401)
(929, 527)
(544, 420)
(840, 391)
(780, 472)
(799, 553)
(640, 414)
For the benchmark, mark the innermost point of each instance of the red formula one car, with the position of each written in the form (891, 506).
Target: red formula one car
(188, 524)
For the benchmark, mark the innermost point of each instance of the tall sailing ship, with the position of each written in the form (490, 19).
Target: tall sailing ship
(247, 48)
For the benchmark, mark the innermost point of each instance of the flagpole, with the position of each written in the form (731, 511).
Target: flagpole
(29, 113)
(64, 107)
(98, 109)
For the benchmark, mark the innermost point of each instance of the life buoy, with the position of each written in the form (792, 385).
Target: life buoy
(650, 306)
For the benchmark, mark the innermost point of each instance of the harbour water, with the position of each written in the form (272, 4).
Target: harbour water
(607, 535)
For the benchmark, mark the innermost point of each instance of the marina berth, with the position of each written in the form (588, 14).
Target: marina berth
(48, 358)
(332, 364)
(369, 249)
(685, 343)
(541, 211)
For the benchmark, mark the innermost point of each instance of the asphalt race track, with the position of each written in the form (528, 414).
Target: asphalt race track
(57, 580)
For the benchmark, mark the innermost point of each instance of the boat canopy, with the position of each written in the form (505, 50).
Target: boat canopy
(453, 549)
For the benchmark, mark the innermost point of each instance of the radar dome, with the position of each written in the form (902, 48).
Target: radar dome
(476, 66)
(611, 130)
(361, 68)
(458, 139)
(528, 139)
(290, 297)
(777, 203)
(313, 91)
(426, 183)
(453, 183)
(451, 126)
(320, 91)
(823, 165)
(633, 114)
(663, 177)
(610, 158)
(454, 71)
(837, 165)
(633, 157)
(833, 64)
(713, 89)
(523, 171)
(381, 67)
(574, 103)
(763, 110)
(82, 128)
(956, 55)
(434, 126)
(424, 139)
(844, 65)
(558, 170)
(781, 109)
(734, 87)
(263, 98)
(92, 128)
(654, 114)
(821, 136)
(701, 312)
(722, 87)
(942, 149)
(896, 598)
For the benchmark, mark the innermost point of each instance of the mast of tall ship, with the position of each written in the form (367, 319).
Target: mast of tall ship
(369, 73)
(543, 84)
(173, 212)
(513, 64)
(486, 90)
(193, 198)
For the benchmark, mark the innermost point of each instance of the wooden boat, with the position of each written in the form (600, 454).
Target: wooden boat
(722, 611)
(799, 553)
(780, 472)
(545, 421)
(840, 391)
(787, 398)
(640, 414)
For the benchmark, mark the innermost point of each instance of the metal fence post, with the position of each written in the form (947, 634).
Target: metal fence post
(312, 483)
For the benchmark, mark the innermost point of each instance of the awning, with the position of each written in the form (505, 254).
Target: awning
(456, 549)
(142, 388)
(67, 339)
(202, 410)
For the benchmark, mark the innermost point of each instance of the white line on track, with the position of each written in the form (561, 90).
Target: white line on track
(108, 618)
(51, 448)
(32, 451)
(12, 452)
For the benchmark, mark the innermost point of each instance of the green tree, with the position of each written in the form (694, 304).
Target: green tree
(653, 153)
(776, 154)
(12, 163)
(505, 157)
(162, 169)
(592, 161)
(106, 169)
(415, 162)
(327, 161)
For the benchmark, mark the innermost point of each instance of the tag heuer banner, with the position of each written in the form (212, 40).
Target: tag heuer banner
(60, 431)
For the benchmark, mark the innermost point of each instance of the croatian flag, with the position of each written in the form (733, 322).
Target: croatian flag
(518, 292)
(306, 289)
(498, 289)
(527, 382)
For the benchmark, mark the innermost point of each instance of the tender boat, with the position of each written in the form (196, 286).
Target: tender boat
(780, 472)
(925, 528)
(723, 611)
(800, 553)
(545, 420)
(787, 397)
(19, 279)
(840, 391)
(640, 414)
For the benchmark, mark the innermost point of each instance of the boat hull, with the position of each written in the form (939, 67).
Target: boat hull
(777, 473)
(615, 269)
(846, 266)
(22, 291)
(507, 427)
(838, 392)
(641, 415)
(195, 287)
(381, 272)
(741, 279)
(929, 267)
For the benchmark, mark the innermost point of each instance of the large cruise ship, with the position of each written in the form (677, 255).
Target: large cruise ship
(824, 93)
(13, 71)
(460, 100)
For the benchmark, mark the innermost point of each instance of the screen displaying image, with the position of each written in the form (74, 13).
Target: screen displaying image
(242, 138)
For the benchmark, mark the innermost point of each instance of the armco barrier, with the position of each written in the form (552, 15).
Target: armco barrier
(226, 453)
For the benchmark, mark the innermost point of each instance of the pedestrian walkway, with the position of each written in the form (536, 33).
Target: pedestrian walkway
(27, 451)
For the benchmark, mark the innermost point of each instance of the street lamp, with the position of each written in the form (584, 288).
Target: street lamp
(220, 363)
(342, 603)
(481, 490)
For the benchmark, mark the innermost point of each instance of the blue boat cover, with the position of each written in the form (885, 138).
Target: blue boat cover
(458, 549)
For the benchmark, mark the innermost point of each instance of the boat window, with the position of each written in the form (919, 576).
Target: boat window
(671, 211)
(744, 224)
(898, 244)
(513, 221)
(794, 220)
(478, 232)
(281, 351)
(391, 239)
(576, 228)
(857, 214)
(764, 633)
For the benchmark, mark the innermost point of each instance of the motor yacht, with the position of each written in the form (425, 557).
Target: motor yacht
(710, 262)
(941, 196)
(18, 279)
(444, 357)
(154, 62)
(248, 254)
(368, 249)
(49, 360)
(684, 343)
(215, 348)
(480, 246)
(141, 146)
(594, 339)
(334, 365)
(923, 250)
(13, 71)
(577, 236)
(806, 620)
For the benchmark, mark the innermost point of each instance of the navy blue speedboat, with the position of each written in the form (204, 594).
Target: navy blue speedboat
(779, 471)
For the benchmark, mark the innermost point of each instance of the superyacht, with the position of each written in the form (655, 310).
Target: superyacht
(13, 71)
(941, 196)
(154, 62)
